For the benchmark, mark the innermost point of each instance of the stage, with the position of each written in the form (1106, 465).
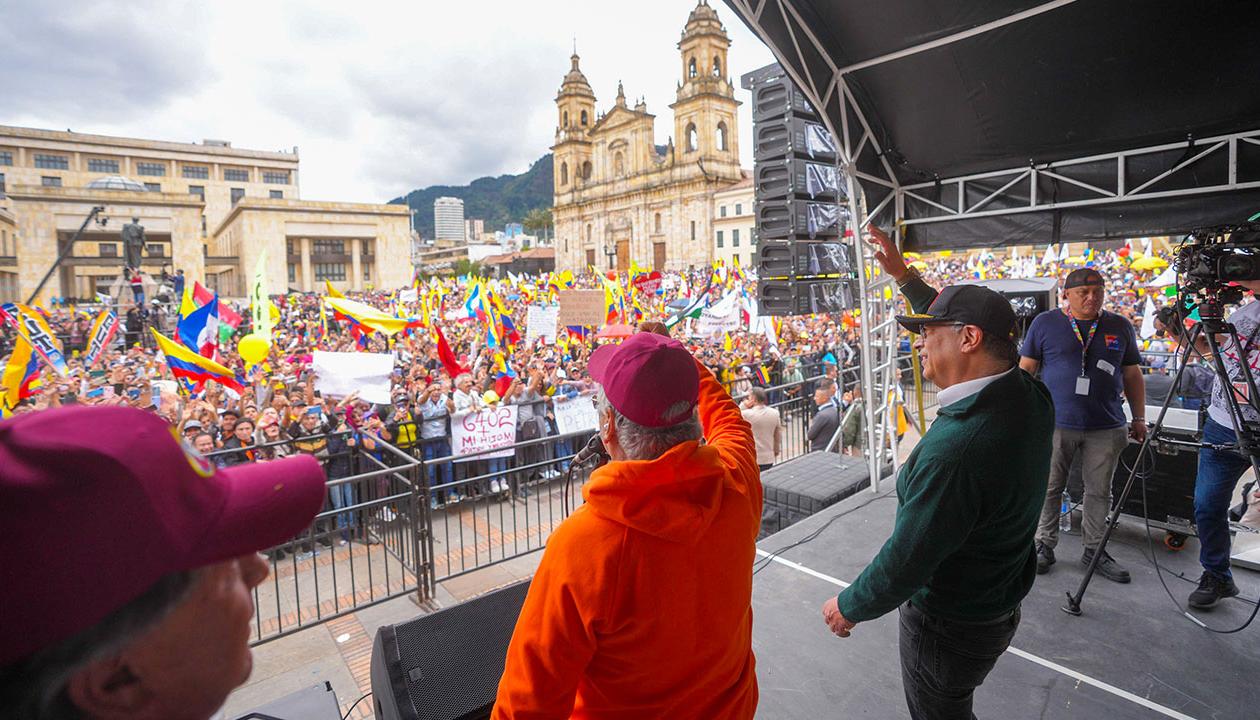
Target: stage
(1131, 655)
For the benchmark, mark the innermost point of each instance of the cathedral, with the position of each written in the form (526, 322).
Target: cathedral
(620, 197)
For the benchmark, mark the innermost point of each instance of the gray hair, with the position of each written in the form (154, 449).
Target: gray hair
(35, 687)
(640, 442)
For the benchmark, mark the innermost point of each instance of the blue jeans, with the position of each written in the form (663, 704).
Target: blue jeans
(1219, 471)
(342, 496)
(439, 448)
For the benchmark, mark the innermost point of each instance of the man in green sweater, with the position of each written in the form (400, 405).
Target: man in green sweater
(961, 556)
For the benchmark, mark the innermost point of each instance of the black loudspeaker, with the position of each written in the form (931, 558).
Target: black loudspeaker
(800, 297)
(799, 219)
(787, 260)
(775, 95)
(447, 665)
(793, 136)
(796, 177)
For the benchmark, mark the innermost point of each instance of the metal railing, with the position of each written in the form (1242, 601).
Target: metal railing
(398, 521)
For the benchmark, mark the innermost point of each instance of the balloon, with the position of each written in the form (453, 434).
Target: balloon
(253, 348)
(1123, 252)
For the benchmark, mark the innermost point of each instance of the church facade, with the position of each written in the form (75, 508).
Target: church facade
(619, 196)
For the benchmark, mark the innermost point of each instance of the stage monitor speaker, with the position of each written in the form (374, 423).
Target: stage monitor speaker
(446, 665)
(801, 297)
(1169, 485)
(775, 95)
(1029, 297)
(796, 177)
(790, 136)
(799, 219)
(793, 260)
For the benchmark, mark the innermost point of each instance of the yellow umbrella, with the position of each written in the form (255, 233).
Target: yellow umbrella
(919, 265)
(911, 255)
(1075, 260)
(1150, 262)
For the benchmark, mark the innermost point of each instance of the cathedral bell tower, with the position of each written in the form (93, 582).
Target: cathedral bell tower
(575, 109)
(705, 112)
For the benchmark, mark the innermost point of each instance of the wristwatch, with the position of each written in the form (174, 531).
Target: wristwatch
(912, 273)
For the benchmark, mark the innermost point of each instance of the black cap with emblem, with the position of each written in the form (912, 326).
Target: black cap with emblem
(967, 305)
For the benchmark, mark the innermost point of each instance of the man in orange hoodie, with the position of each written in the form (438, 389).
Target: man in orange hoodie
(641, 606)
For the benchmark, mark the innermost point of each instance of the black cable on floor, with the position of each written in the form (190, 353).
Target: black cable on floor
(761, 563)
(355, 705)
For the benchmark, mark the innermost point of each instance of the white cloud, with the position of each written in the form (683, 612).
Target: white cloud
(381, 98)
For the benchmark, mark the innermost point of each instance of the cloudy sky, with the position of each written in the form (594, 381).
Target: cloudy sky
(380, 98)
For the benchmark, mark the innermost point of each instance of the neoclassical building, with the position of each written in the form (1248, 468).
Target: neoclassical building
(618, 195)
(208, 209)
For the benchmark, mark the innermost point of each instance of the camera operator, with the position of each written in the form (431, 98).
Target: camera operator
(1219, 470)
(1197, 378)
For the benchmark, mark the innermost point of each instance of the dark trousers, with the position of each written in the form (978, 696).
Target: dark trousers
(944, 661)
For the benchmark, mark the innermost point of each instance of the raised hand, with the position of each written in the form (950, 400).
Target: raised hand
(887, 254)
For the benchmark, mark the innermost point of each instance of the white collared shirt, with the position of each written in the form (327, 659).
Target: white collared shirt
(967, 388)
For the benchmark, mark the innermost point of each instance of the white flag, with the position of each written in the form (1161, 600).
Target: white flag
(1148, 319)
(1050, 256)
(1064, 254)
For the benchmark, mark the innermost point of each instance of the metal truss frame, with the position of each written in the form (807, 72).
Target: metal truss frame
(1005, 192)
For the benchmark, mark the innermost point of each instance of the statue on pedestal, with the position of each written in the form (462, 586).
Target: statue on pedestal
(133, 243)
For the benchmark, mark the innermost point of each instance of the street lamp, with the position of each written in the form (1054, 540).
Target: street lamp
(611, 252)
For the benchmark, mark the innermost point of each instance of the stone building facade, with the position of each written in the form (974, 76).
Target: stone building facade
(733, 224)
(620, 197)
(188, 197)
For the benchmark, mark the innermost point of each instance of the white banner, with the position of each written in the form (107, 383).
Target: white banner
(575, 415)
(541, 323)
(407, 295)
(487, 429)
(339, 374)
(710, 324)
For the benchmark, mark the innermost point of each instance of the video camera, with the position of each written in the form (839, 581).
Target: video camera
(1210, 258)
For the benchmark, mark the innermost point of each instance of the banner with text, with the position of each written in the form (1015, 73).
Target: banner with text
(582, 307)
(488, 429)
(575, 415)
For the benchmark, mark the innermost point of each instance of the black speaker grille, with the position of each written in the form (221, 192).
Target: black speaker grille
(453, 658)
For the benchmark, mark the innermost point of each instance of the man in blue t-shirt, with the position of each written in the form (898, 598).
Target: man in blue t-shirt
(1087, 357)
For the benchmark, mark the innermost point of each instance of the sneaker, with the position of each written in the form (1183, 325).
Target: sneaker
(1045, 558)
(1212, 588)
(496, 486)
(1107, 566)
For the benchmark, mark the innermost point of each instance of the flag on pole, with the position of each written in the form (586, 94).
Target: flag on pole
(103, 331)
(259, 304)
(1064, 254)
(332, 291)
(1049, 257)
(1148, 319)
(227, 316)
(191, 368)
(34, 328)
(198, 329)
(368, 317)
(19, 376)
(449, 361)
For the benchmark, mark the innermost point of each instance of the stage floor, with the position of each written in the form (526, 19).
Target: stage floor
(1131, 655)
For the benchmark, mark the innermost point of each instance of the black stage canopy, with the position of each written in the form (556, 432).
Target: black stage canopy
(992, 123)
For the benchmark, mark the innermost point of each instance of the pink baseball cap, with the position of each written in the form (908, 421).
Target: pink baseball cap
(647, 378)
(98, 503)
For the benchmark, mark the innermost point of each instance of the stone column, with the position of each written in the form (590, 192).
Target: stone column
(308, 274)
(356, 264)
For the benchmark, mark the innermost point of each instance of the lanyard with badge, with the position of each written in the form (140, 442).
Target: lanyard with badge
(1082, 382)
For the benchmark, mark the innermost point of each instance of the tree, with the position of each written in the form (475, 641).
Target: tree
(464, 266)
(538, 222)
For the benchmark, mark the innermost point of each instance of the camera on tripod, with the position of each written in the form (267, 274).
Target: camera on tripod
(1210, 258)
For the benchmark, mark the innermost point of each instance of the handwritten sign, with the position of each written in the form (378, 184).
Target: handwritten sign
(648, 284)
(489, 429)
(541, 323)
(576, 415)
(582, 307)
(710, 324)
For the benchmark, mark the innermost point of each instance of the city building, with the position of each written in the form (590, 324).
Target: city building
(448, 219)
(207, 208)
(618, 195)
(513, 229)
(733, 224)
(473, 230)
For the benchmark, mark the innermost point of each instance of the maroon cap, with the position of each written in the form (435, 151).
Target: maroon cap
(648, 378)
(99, 503)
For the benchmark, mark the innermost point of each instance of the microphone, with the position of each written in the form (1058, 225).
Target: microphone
(594, 450)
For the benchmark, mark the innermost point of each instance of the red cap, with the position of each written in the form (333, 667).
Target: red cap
(648, 378)
(98, 503)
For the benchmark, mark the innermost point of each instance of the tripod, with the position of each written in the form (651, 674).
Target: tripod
(1212, 323)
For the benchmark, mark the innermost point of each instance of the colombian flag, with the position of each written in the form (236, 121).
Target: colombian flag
(19, 374)
(369, 318)
(189, 367)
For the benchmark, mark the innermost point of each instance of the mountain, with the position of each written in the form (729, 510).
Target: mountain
(497, 200)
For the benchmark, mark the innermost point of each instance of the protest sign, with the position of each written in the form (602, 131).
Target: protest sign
(540, 322)
(487, 429)
(407, 295)
(339, 374)
(711, 324)
(582, 307)
(648, 284)
(575, 415)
